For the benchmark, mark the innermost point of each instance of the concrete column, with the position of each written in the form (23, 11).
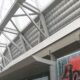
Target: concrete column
(53, 69)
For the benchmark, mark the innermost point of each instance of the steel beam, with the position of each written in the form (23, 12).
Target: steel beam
(23, 15)
(19, 15)
(12, 42)
(15, 26)
(4, 57)
(42, 19)
(11, 12)
(2, 46)
(53, 67)
(32, 10)
(42, 60)
(3, 62)
(39, 35)
(9, 52)
(10, 32)
(32, 6)
(10, 29)
(22, 42)
(26, 41)
(33, 22)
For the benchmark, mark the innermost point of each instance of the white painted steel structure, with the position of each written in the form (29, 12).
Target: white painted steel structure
(45, 29)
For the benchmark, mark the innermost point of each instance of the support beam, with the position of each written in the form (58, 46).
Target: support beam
(33, 22)
(11, 12)
(19, 15)
(42, 60)
(42, 19)
(26, 41)
(2, 46)
(10, 29)
(10, 32)
(15, 26)
(4, 57)
(9, 51)
(32, 10)
(12, 42)
(32, 6)
(23, 15)
(22, 42)
(53, 68)
(3, 62)
(39, 35)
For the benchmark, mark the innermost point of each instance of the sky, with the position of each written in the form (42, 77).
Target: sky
(21, 22)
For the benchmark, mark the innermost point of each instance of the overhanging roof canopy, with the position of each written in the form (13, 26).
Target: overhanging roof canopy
(8, 9)
(23, 69)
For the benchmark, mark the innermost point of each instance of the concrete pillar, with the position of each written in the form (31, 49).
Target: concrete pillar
(53, 69)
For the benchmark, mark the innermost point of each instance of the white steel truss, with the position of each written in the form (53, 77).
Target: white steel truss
(34, 11)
